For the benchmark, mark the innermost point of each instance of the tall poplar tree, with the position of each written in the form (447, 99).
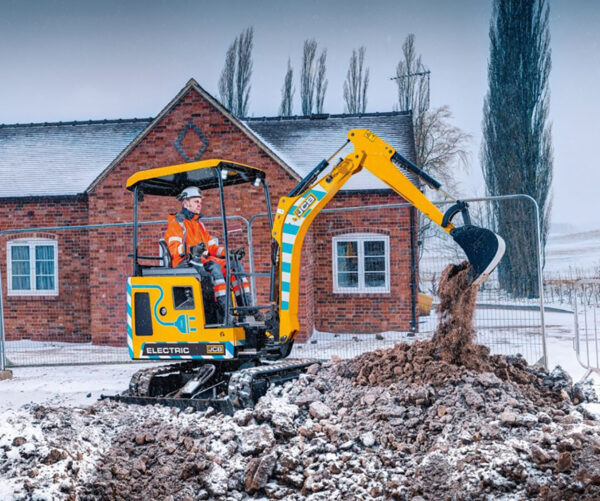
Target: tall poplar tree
(234, 82)
(516, 155)
(357, 83)
(287, 92)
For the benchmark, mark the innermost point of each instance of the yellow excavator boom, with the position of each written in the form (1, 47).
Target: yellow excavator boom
(296, 212)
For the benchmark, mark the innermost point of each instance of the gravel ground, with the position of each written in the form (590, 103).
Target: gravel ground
(437, 419)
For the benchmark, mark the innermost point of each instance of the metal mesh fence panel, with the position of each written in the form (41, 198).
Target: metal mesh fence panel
(47, 279)
(586, 308)
(509, 316)
(81, 272)
(64, 290)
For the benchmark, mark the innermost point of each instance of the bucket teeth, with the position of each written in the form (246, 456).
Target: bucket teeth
(484, 249)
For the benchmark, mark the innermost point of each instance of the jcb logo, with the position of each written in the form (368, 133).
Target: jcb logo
(215, 349)
(311, 199)
(370, 136)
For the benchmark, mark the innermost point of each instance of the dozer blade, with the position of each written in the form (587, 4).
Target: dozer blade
(483, 248)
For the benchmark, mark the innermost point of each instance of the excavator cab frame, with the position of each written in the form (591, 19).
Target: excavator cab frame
(168, 308)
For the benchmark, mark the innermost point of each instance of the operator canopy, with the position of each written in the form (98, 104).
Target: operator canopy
(173, 180)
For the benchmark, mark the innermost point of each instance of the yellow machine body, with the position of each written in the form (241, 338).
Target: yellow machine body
(166, 320)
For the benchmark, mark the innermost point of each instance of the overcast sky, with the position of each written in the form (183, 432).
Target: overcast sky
(83, 59)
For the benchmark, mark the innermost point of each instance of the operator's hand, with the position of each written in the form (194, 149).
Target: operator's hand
(238, 253)
(198, 250)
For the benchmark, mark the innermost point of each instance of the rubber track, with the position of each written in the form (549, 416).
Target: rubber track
(199, 404)
(240, 384)
(240, 389)
(140, 382)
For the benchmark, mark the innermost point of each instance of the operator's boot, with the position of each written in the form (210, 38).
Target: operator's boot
(245, 300)
(221, 308)
(254, 312)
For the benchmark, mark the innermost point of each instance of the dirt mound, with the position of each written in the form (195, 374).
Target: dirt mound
(471, 436)
(431, 420)
(452, 352)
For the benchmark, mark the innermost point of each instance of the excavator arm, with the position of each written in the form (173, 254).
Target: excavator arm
(295, 213)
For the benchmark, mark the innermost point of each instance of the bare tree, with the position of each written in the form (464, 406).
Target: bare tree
(442, 151)
(357, 82)
(227, 80)
(313, 83)
(321, 84)
(287, 92)
(412, 78)
(517, 151)
(440, 147)
(234, 83)
(307, 76)
(244, 71)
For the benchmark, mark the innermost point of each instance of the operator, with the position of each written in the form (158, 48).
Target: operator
(190, 244)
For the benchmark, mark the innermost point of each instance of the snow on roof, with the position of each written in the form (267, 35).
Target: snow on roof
(65, 158)
(302, 142)
(61, 158)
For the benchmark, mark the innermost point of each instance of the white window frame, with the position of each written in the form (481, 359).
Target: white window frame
(360, 238)
(31, 243)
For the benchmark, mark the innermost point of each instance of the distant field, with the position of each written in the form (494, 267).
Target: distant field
(569, 254)
(573, 253)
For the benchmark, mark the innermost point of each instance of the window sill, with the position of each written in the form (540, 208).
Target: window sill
(363, 292)
(32, 294)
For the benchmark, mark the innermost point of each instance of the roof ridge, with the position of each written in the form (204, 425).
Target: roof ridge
(79, 122)
(325, 116)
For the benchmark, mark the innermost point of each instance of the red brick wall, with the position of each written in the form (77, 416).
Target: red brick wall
(94, 265)
(64, 317)
(364, 313)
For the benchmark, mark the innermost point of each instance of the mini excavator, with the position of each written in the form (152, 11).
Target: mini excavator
(231, 363)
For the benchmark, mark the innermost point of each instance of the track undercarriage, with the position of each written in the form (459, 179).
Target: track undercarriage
(225, 386)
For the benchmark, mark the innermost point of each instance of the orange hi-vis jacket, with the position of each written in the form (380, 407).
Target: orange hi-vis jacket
(186, 230)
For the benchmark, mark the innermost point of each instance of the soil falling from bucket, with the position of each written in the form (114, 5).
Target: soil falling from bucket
(454, 337)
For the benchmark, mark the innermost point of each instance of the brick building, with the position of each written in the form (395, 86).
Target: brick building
(69, 285)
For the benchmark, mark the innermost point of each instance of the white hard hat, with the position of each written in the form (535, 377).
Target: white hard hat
(190, 192)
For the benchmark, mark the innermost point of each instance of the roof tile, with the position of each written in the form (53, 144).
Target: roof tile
(61, 158)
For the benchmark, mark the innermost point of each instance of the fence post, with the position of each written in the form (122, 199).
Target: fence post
(540, 278)
(2, 337)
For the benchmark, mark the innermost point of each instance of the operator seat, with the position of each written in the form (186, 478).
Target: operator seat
(164, 253)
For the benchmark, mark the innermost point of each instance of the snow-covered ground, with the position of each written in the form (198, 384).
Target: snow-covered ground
(76, 385)
(71, 389)
(81, 385)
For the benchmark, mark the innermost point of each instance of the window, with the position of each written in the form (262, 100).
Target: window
(361, 263)
(32, 267)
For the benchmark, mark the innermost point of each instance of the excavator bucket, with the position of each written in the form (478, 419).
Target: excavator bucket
(483, 248)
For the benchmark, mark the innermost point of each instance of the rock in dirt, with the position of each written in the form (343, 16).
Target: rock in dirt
(258, 472)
